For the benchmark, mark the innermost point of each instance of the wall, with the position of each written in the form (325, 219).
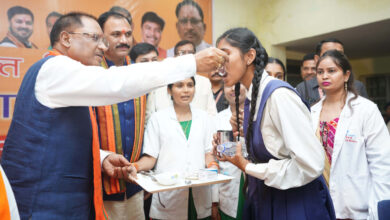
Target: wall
(280, 21)
(367, 66)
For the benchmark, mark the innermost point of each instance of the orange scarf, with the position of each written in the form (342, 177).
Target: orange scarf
(18, 43)
(100, 212)
(4, 206)
(111, 137)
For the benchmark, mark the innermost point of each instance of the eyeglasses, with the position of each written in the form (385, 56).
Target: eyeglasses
(193, 21)
(94, 37)
(184, 52)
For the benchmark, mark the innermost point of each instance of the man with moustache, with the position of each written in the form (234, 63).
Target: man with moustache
(51, 155)
(308, 67)
(151, 30)
(125, 202)
(218, 91)
(21, 22)
(190, 25)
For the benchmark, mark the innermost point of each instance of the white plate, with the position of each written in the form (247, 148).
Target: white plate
(167, 178)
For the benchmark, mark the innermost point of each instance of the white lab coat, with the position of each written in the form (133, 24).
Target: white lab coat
(165, 140)
(228, 192)
(203, 99)
(360, 169)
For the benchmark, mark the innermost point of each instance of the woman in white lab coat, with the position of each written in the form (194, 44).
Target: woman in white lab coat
(177, 139)
(356, 141)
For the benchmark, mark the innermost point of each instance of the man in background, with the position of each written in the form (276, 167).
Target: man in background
(218, 91)
(127, 14)
(121, 126)
(309, 90)
(143, 53)
(51, 18)
(308, 67)
(152, 26)
(21, 27)
(190, 25)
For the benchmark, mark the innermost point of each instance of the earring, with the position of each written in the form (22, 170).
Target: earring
(346, 86)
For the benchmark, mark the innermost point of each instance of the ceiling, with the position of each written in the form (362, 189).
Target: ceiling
(369, 40)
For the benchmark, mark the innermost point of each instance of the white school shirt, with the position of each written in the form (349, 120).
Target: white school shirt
(289, 136)
(203, 99)
(360, 169)
(165, 140)
(13, 208)
(228, 192)
(64, 82)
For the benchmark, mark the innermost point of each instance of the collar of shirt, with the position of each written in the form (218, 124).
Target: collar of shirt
(172, 114)
(249, 91)
(110, 63)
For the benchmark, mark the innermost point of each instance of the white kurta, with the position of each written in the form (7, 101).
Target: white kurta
(360, 169)
(228, 192)
(289, 136)
(203, 99)
(165, 140)
(64, 82)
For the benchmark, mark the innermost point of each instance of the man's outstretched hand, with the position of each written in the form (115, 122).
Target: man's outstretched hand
(117, 166)
(210, 60)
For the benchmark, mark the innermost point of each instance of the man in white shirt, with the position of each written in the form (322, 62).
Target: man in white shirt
(190, 25)
(47, 154)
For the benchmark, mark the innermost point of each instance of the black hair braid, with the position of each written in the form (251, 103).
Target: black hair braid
(260, 63)
(237, 100)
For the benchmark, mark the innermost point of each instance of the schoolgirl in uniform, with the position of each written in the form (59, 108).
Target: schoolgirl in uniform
(286, 159)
